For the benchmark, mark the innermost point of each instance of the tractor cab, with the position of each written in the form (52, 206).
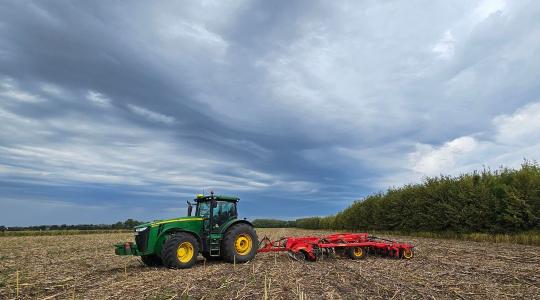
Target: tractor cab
(215, 211)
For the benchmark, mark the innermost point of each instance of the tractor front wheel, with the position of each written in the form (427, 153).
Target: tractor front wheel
(240, 243)
(151, 260)
(180, 251)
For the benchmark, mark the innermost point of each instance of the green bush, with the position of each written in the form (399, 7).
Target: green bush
(505, 201)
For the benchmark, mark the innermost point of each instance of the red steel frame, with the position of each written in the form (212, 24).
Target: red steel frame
(309, 245)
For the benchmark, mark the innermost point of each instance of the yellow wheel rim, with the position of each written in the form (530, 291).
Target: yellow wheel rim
(185, 252)
(243, 244)
(358, 252)
(407, 253)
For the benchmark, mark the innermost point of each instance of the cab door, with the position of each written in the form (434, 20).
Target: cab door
(203, 211)
(221, 214)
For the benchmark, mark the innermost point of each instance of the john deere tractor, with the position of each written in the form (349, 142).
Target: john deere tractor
(214, 231)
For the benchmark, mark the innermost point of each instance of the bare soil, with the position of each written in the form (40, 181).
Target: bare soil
(85, 267)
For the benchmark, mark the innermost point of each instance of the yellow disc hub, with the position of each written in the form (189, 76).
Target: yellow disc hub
(358, 252)
(243, 244)
(185, 252)
(407, 253)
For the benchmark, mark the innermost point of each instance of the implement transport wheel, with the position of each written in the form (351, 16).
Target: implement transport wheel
(151, 260)
(356, 252)
(407, 253)
(239, 243)
(180, 251)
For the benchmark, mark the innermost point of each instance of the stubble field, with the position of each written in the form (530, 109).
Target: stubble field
(85, 267)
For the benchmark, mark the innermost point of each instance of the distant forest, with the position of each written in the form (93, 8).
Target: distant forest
(127, 224)
(273, 223)
(501, 201)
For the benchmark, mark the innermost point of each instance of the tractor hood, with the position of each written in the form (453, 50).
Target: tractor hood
(159, 222)
(143, 225)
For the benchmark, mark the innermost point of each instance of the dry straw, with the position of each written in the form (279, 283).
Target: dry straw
(265, 289)
(17, 283)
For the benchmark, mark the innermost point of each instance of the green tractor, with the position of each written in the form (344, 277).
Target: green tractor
(215, 231)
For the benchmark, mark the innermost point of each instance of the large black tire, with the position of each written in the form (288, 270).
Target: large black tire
(356, 252)
(180, 251)
(151, 260)
(240, 243)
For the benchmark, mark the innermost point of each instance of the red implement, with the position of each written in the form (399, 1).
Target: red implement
(355, 245)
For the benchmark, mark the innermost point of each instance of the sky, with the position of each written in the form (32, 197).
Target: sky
(126, 109)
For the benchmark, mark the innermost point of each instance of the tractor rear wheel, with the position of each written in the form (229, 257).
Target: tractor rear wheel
(240, 243)
(180, 251)
(356, 252)
(151, 260)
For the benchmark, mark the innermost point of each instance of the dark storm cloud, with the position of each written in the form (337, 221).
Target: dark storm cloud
(299, 107)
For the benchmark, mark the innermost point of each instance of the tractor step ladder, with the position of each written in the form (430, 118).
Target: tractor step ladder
(215, 246)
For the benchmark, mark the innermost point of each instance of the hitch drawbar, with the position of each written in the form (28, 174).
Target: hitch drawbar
(128, 248)
(355, 245)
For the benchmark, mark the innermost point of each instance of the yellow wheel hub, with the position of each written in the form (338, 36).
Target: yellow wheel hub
(185, 252)
(358, 252)
(407, 253)
(243, 244)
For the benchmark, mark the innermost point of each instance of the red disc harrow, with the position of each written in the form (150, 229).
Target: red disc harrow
(355, 245)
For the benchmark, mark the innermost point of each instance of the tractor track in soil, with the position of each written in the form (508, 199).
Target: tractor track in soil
(85, 267)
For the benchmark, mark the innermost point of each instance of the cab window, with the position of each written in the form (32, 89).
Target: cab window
(223, 212)
(203, 209)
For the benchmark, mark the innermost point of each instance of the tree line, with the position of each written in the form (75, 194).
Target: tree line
(273, 223)
(127, 224)
(501, 201)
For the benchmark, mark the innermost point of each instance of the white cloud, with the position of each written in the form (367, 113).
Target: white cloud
(9, 90)
(488, 7)
(98, 99)
(151, 115)
(433, 161)
(52, 89)
(445, 47)
(514, 137)
(520, 128)
(103, 150)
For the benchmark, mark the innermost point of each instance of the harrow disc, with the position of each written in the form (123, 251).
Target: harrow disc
(298, 256)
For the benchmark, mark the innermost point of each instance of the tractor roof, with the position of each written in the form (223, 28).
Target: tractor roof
(203, 198)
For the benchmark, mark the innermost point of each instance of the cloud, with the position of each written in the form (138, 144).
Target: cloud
(150, 115)
(98, 99)
(319, 103)
(432, 161)
(445, 47)
(514, 138)
(521, 128)
(8, 90)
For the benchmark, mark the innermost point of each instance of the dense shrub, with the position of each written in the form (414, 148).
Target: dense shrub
(501, 201)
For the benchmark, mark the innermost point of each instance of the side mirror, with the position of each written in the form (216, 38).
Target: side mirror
(189, 209)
